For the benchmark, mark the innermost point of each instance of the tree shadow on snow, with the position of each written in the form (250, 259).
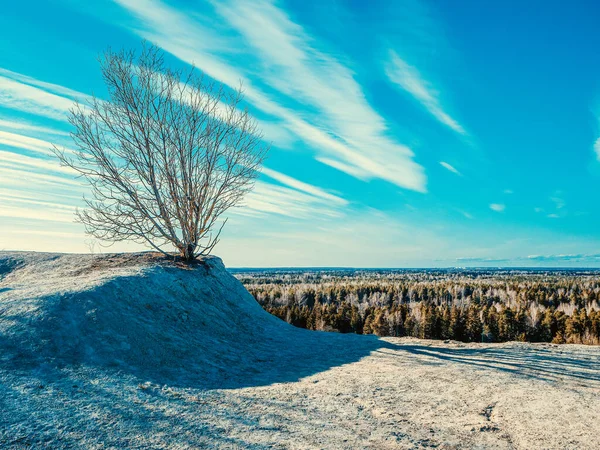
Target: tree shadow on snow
(537, 361)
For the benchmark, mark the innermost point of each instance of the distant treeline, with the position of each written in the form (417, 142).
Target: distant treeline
(559, 307)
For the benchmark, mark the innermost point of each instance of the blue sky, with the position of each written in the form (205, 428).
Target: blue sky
(404, 134)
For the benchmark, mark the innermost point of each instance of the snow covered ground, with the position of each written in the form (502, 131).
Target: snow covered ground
(124, 351)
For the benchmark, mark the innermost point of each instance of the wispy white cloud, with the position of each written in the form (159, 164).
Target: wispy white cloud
(597, 148)
(558, 200)
(409, 79)
(304, 187)
(49, 87)
(20, 200)
(498, 207)
(338, 123)
(10, 159)
(29, 127)
(343, 167)
(267, 198)
(296, 199)
(34, 210)
(558, 209)
(28, 170)
(579, 257)
(292, 63)
(20, 176)
(508, 191)
(26, 94)
(537, 259)
(450, 168)
(72, 199)
(25, 142)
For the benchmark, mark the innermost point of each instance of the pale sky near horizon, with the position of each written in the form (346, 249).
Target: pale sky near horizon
(412, 133)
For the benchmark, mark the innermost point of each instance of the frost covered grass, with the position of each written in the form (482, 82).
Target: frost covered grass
(132, 352)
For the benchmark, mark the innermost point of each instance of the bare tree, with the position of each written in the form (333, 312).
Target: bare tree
(166, 155)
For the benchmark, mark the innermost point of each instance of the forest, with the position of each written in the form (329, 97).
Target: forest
(558, 306)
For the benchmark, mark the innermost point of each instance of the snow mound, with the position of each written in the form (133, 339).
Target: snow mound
(193, 325)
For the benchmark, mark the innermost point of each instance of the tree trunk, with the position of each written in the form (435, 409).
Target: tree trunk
(187, 253)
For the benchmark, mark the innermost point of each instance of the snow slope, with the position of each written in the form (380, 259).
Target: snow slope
(144, 315)
(131, 351)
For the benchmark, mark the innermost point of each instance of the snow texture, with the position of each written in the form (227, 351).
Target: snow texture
(132, 351)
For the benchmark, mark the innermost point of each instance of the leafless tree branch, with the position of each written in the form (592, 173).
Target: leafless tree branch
(165, 156)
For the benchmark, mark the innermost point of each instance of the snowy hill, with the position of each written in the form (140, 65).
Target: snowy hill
(131, 351)
(149, 317)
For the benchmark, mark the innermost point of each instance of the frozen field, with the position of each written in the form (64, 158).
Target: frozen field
(121, 351)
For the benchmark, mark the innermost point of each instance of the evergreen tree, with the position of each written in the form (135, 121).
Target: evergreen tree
(473, 325)
(456, 326)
